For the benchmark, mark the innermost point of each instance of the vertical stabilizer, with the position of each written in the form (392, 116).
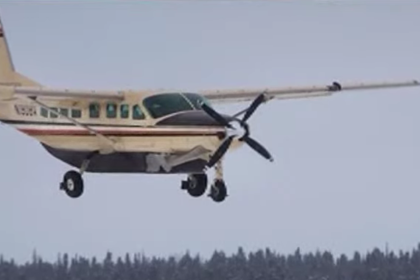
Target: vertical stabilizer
(8, 75)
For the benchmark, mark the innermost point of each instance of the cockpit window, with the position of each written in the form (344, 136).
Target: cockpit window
(169, 103)
(165, 104)
(137, 113)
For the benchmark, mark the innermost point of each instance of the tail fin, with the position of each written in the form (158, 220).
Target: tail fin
(8, 75)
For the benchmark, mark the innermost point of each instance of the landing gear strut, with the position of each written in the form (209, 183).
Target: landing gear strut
(72, 182)
(218, 191)
(196, 184)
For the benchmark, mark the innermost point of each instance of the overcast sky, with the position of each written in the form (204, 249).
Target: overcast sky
(346, 170)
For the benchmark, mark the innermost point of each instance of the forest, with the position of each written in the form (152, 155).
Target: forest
(263, 264)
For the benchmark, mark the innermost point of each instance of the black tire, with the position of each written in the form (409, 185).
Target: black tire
(73, 184)
(197, 184)
(218, 191)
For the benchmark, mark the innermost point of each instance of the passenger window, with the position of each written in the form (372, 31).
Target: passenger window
(124, 111)
(94, 110)
(44, 112)
(137, 113)
(111, 110)
(52, 114)
(76, 113)
(64, 111)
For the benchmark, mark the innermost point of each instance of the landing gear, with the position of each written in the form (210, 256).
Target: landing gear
(72, 182)
(196, 184)
(218, 191)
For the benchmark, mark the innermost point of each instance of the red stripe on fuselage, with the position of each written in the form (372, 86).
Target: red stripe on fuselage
(150, 132)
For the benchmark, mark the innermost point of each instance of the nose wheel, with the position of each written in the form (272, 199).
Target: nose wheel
(218, 191)
(196, 185)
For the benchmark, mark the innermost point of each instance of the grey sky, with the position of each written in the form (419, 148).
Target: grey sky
(345, 175)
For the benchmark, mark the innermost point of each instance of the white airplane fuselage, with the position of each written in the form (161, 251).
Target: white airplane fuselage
(135, 139)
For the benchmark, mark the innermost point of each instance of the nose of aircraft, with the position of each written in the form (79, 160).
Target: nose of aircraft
(192, 118)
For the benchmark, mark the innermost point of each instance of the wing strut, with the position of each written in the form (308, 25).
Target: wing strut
(109, 144)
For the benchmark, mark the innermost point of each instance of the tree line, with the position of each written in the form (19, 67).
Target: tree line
(258, 265)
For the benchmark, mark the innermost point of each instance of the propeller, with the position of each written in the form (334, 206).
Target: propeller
(252, 143)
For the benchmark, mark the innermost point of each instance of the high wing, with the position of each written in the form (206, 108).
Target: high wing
(214, 96)
(239, 95)
(8, 92)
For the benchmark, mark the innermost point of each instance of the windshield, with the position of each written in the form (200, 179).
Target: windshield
(168, 103)
(196, 100)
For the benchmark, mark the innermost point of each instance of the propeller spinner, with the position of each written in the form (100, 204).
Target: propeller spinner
(245, 138)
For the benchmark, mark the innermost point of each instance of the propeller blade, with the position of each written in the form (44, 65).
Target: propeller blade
(215, 115)
(258, 148)
(257, 102)
(220, 151)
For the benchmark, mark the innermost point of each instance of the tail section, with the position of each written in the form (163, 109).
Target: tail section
(8, 75)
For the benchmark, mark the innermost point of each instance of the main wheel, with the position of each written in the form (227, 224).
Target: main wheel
(218, 191)
(73, 184)
(196, 184)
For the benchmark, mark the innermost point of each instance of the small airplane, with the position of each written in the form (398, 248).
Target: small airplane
(142, 131)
